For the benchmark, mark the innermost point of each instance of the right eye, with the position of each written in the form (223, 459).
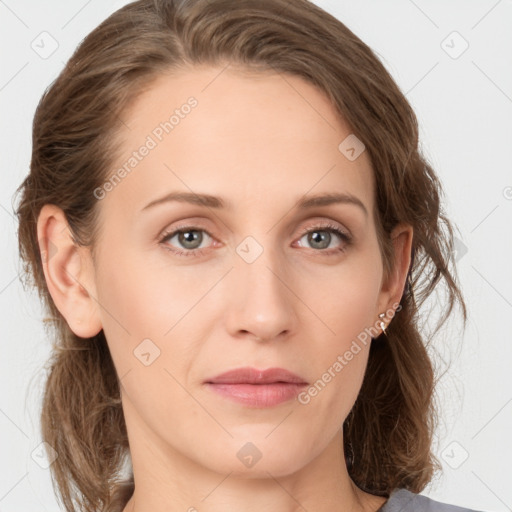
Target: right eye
(190, 239)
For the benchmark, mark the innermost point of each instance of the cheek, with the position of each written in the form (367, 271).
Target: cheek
(151, 316)
(343, 297)
(148, 333)
(344, 303)
(141, 299)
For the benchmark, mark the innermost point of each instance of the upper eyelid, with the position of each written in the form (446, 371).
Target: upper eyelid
(325, 224)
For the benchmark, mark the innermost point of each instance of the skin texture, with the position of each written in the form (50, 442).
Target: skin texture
(261, 141)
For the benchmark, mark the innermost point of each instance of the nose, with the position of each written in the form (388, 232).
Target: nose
(262, 305)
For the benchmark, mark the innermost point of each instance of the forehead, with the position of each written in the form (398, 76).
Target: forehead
(259, 138)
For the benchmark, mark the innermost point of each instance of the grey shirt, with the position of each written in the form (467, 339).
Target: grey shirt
(402, 500)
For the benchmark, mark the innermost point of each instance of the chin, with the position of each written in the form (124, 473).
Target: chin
(261, 469)
(256, 459)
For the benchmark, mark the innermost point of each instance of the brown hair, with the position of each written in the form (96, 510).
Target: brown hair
(390, 429)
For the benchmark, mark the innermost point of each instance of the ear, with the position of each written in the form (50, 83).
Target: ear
(69, 272)
(393, 286)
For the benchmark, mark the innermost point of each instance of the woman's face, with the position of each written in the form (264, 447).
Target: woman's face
(244, 285)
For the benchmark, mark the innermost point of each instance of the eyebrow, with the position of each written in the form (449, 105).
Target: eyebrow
(216, 202)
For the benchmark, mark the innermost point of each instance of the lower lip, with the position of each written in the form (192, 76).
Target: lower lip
(258, 395)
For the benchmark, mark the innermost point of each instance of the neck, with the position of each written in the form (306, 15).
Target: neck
(166, 480)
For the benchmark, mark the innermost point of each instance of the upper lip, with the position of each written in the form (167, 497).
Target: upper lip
(248, 375)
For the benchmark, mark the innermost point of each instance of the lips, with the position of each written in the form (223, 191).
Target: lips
(257, 388)
(248, 375)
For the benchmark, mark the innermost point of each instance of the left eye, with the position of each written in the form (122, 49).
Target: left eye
(321, 237)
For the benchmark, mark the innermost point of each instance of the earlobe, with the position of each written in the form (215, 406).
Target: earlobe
(68, 272)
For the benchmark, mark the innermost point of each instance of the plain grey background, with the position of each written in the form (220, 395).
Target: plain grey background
(453, 61)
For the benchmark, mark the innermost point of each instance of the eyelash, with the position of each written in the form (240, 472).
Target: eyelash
(331, 228)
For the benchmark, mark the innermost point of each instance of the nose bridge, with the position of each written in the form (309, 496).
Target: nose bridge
(261, 304)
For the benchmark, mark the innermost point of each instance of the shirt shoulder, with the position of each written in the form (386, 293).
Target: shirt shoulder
(402, 500)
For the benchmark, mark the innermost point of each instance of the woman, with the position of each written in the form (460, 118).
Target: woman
(233, 230)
